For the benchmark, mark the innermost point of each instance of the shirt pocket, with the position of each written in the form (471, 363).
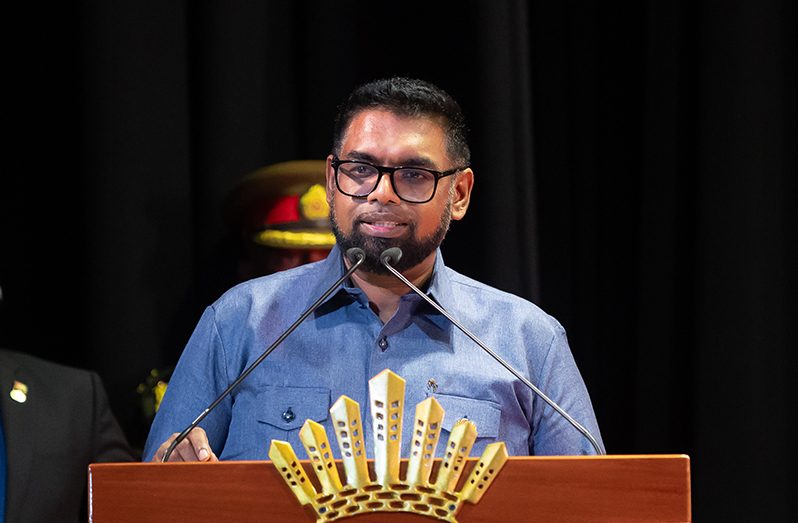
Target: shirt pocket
(486, 415)
(287, 408)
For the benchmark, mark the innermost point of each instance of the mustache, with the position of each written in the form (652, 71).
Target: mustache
(381, 216)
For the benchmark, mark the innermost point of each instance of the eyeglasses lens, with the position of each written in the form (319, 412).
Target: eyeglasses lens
(414, 185)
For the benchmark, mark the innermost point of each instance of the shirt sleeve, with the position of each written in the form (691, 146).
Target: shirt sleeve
(199, 378)
(560, 380)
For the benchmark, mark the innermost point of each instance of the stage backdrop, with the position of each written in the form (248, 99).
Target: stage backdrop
(635, 176)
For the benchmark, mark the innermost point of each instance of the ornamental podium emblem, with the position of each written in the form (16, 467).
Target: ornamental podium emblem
(386, 491)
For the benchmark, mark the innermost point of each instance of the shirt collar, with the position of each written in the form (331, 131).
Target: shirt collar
(440, 287)
(332, 268)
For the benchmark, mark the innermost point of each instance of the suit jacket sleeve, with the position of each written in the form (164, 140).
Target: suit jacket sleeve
(109, 443)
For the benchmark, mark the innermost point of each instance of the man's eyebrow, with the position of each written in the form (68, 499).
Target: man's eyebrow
(361, 156)
(410, 161)
(419, 161)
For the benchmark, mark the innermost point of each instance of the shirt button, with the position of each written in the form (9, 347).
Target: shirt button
(383, 343)
(288, 415)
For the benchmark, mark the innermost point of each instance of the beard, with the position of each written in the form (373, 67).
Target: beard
(414, 249)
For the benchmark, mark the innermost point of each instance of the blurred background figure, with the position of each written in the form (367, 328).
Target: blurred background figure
(54, 421)
(277, 218)
(282, 217)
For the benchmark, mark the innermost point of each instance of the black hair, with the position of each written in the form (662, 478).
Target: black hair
(412, 98)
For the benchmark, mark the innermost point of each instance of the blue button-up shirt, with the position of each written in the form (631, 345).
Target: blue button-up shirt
(344, 344)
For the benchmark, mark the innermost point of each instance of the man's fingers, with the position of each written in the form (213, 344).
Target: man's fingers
(194, 447)
(158, 457)
(184, 452)
(200, 446)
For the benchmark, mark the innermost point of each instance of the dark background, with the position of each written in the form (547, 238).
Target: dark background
(635, 167)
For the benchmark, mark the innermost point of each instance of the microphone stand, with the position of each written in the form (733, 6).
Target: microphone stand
(394, 254)
(355, 253)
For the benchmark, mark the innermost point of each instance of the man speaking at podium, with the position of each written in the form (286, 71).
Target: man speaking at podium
(398, 174)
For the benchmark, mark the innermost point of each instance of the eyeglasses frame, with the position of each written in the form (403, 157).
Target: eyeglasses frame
(381, 169)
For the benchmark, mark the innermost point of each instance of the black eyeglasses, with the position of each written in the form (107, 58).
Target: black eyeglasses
(411, 184)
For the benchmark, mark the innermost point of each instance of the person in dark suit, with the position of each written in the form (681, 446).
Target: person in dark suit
(56, 420)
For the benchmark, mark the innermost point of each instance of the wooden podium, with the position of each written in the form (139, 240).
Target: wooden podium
(639, 488)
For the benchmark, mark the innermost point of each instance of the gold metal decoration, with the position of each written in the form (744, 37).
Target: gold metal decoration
(19, 392)
(387, 492)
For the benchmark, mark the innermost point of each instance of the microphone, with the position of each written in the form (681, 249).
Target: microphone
(356, 257)
(393, 255)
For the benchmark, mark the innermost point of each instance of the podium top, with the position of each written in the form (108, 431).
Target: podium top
(631, 488)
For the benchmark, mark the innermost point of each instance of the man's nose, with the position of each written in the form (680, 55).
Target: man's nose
(384, 193)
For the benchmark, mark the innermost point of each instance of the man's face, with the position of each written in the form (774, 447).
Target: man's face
(381, 220)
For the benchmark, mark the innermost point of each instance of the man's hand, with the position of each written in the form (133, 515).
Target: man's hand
(194, 447)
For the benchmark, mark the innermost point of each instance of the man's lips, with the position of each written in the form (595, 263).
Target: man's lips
(382, 226)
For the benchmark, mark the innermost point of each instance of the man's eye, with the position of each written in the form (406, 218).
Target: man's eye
(359, 170)
(415, 176)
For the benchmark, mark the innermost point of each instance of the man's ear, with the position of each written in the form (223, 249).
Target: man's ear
(463, 184)
(329, 174)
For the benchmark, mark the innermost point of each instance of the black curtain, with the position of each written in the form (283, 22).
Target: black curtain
(635, 177)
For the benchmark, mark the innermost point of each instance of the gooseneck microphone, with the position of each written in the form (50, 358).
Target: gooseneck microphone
(393, 255)
(356, 256)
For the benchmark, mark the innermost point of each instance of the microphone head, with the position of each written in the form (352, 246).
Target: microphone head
(392, 255)
(355, 254)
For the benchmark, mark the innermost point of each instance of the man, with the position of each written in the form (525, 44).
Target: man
(55, 422)
(374, 322)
